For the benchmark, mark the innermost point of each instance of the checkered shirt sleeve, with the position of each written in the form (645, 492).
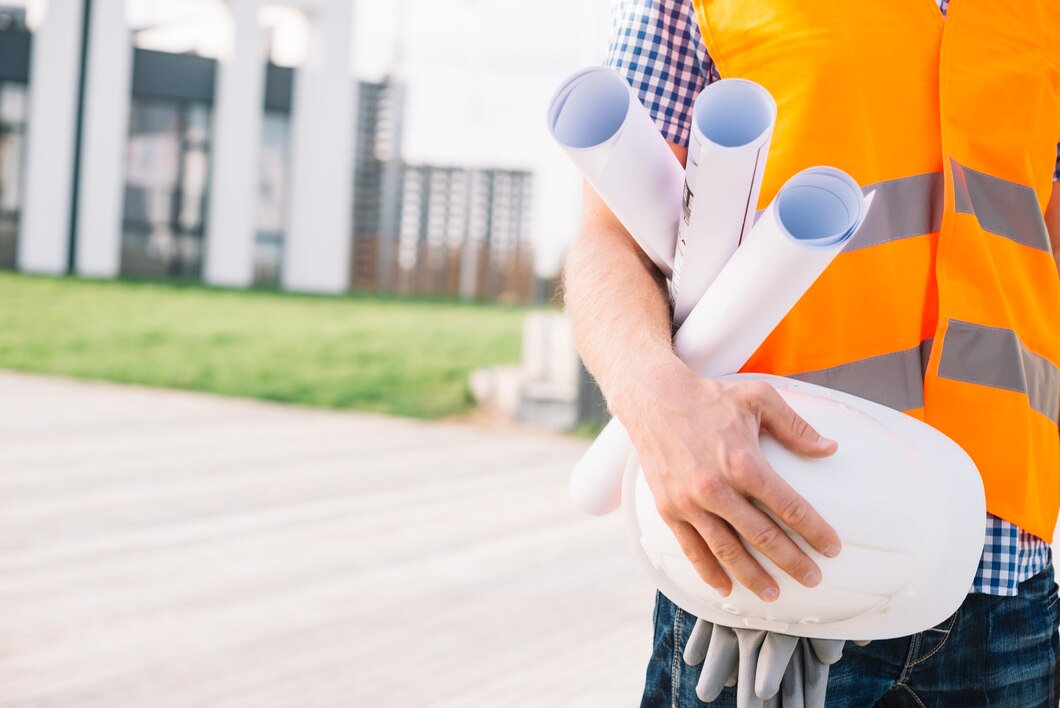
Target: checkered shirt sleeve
(656, 45)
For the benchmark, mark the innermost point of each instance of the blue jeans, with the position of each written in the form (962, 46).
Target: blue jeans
(994, 651)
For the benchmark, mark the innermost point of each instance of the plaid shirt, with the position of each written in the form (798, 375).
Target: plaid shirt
(656, 45)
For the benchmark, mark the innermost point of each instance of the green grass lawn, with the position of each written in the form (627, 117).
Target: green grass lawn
(387, 355)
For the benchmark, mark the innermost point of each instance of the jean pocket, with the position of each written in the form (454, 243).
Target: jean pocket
(932, 640)
(1041, 588)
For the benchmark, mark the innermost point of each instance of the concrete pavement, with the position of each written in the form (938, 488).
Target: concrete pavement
(160, 548)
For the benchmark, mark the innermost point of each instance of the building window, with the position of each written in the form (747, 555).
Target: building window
(272, 198)
(434, 229)
(377, 184)
(167, 178)
(12, 148)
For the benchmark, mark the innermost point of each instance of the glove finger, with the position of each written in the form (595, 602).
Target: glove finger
(773, 662)
(791, 686)
(863, 642)
(773, 702)
(828, 651)
(750, 641)
(733, 675)
(696, 647)
(745, 695)
(723, 656)
(815, 680)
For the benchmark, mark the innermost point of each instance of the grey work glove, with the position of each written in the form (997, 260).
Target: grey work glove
(768, 669)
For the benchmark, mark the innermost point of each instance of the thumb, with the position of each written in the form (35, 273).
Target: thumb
(828, 651)
(723, 658)
(790, 429)
(777, 651)
(698, 641)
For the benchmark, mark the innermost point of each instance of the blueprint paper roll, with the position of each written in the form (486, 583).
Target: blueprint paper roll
(732, 125)
(607, 133)
(812, 218)
(803, 230)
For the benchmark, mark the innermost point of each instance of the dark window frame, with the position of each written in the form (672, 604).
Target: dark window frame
(178, 267)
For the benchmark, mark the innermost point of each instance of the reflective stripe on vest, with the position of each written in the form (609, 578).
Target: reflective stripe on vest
(895, 380)
(902, 208)
(1001, 207)
(975, 354)
(991, 356)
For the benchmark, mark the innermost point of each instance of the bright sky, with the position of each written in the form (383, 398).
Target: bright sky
(480, 74)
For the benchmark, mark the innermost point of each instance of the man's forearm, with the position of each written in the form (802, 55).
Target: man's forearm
(618, 303)
(696, 439)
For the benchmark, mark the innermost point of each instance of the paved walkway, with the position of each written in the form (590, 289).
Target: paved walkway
(168, 549)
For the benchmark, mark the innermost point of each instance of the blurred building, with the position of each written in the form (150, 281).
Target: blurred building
(434, 229)
(14, 78)
(463, 232)
(122, 160)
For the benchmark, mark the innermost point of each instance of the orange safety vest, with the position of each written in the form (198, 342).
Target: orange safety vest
(947, 303)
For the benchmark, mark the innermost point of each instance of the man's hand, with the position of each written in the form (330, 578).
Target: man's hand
(698, 444)
(697, 440)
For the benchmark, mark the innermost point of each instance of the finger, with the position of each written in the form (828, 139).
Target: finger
(789, 428)
(699, 555)
(727, 548)
(815, 678)
(763, 533)
(750, 641)
(791, 693)
(723, 656)
(773, 661)
(733, 675)
(828, 651)
(773, 702)
(862, 642)
(745, 694)
(794, 511)
(698, 641)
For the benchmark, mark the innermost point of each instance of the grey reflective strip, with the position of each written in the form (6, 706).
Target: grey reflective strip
(1001, 207)
(895, 380)
(990, 356)
(902, 208)
(925, 354)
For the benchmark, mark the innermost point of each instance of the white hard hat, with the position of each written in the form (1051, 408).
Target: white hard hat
(906, 501)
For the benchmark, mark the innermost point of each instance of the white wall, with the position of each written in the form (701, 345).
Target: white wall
(108, 84)
(236, 148)
(44, 229)
(317, 242)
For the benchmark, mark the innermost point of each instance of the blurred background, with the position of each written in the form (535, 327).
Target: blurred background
(346, 218)
(185, 136)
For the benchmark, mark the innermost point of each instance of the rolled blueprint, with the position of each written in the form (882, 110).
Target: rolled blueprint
(732, 125)
(609, 136)
(812, 218)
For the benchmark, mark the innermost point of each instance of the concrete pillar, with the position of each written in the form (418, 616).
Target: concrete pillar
(231, 223)
(108, 85)
(317, 242)
(44, 238)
